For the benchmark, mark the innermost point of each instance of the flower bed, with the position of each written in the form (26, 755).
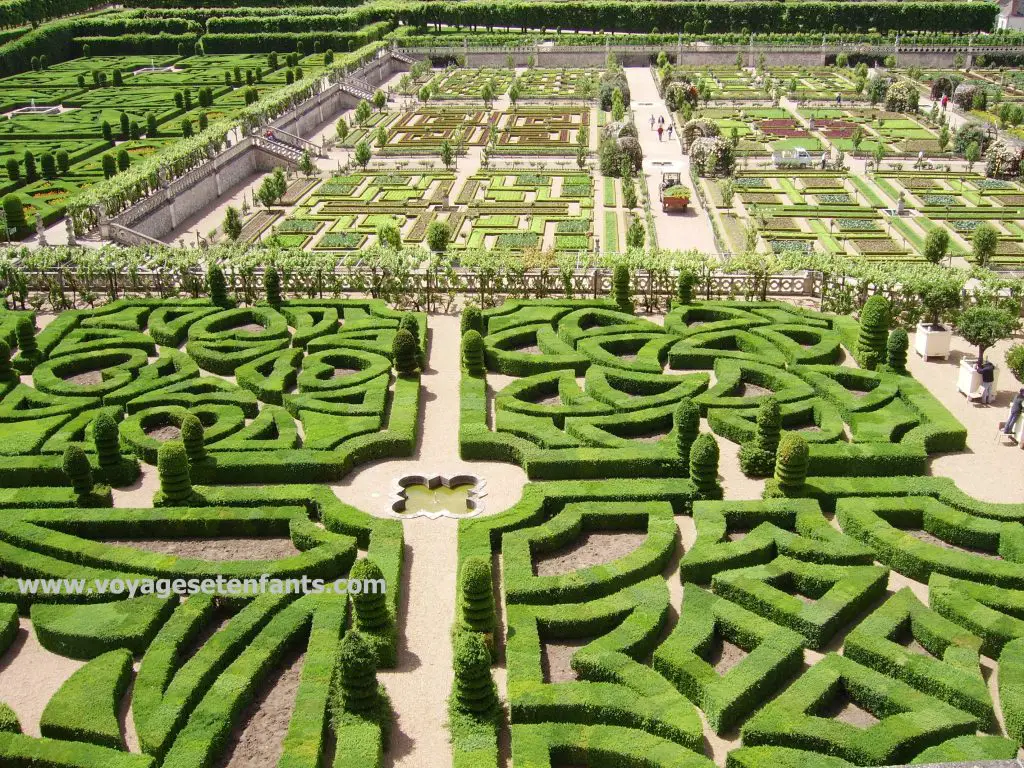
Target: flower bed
(941, 200)
(858, 225)
(839, 198)
(878, 246)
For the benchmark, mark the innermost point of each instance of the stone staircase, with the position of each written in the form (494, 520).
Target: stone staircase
(286, 152)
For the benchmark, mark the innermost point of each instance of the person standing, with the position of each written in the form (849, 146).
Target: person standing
(1015, 409)
(988, 377)
(652, 122)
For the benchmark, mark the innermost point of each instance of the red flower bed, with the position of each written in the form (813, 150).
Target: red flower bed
(835, 129)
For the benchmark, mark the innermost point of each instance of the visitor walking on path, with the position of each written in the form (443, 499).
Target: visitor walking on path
(652, 122)
(660, 131)
(1015, 408)
(670, 133)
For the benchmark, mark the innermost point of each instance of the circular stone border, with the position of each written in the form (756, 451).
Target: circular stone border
(474, 503)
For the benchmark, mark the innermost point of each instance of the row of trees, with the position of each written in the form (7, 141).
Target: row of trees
(648, 15)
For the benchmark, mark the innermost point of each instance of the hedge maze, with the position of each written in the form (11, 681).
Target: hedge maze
(123, 92)
(861, 612)
(851, 616)
(242, 410)
(511, 210)
(597, 388)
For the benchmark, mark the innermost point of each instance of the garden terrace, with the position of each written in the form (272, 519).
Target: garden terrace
(88, 104)
(510, 211)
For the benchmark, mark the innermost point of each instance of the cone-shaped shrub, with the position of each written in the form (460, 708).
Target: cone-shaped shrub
(27, 339)
(193, 436)
(272, 287)
(757, 456)
(874, 331)
(474, 687)
(620, 288)
(405, 351)
(356, 687)
(6, 371)
(769, 425)
(684, 288)
(477, 595)
(411, 324)
(107, 441)
(687, 423)
(473, 353)
(76, 467)
(371, 605)
(791, 463)
(172, 464)
(704, 466)
(472, 320)
(896, 349)
(218, 286)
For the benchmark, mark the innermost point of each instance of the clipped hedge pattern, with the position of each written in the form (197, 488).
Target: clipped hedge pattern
(619, 421)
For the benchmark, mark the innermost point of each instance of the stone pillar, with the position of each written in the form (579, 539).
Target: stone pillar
(169, 201)
(102, 221)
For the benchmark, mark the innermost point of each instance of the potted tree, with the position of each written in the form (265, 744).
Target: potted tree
(983, 327)
(941, 294)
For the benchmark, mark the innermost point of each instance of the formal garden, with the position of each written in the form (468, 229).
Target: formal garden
(858, 609)
(550, 385)
(75, 123)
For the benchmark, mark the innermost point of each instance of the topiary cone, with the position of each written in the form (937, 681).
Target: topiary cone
(27, 339)
(193, 437)
(474, 687)
(686, 419)
(472, 320)
(172, 465)
(704, 466)
(769, 425)
(475, 584)
(620, 288)
(76, 467)
(896, 349)
(6, 370)
(272, 287)
(791, 463)
(357, 689)
(874, 331)
(370, 606)
(106, 438)
(218, 286)
(405, 352)
(473, 353)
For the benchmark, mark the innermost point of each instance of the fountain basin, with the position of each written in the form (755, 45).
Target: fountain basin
(434, 496)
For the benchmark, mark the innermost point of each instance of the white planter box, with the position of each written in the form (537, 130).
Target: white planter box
(968, 380)
(930, 341)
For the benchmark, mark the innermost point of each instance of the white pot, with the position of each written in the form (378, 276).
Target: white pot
(968, 380)
(932, 341)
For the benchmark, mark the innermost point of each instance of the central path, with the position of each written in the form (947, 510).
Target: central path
(420, 683)
(679, 231)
